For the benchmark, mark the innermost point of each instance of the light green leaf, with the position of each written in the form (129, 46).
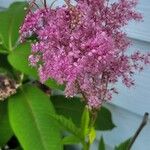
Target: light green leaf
(73, 108)
(29, 112)
(10, 21)
(5, 130)
(101, 144)
(124, 145)
(66, 124)
(71, 139)
(92, 135)
(85, 122)
(19, 60)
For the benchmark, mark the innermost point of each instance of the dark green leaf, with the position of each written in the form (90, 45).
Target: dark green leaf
(19, 60)
(104, 120)
(124, 145)
(101, 144)
(3, 70)
(73, 108)
(19, 148)
(5, 129)
(5, 67)
(69, 107)
(4, 63)
(10, 21)
(29, 112)
(3, 50)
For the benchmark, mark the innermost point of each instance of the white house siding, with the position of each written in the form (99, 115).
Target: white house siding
(128, 107)
(127, 122)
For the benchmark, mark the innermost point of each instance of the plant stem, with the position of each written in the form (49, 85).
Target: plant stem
(93, 116)
(142, 125)
(45, 5)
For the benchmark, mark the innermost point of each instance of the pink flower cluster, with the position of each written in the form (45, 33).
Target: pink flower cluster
(83, 46)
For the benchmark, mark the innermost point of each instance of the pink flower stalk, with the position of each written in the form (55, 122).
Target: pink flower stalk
(83, 46)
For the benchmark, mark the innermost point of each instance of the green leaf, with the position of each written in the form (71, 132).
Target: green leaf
(124, 145)
(101, 144)
(19, 148)
(54, 85)
(73, 108)
(104, 120)
(3, 70)
(19, 60)
(4, 64)
(92, 135)
(66, 124)
(71, 139)
(29, 112)
(10, 21)
(68, 107)
(85, 122)
(3, 50)
(5, 130)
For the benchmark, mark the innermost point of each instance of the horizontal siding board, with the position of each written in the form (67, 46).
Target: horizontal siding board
(141, 30)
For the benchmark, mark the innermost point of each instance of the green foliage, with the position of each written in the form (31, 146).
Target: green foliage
(19, 60)
(124, 145)
(73, 108)
(67, 124)
(69, 107)
(2, 49)
(5, 67)
(71, 139)
(104, 120)
(101, 144)
(85, 120)
(10, 21)
(29, 112)
(5, 129)
(23, 51)
(54, 85)
(92, 135)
